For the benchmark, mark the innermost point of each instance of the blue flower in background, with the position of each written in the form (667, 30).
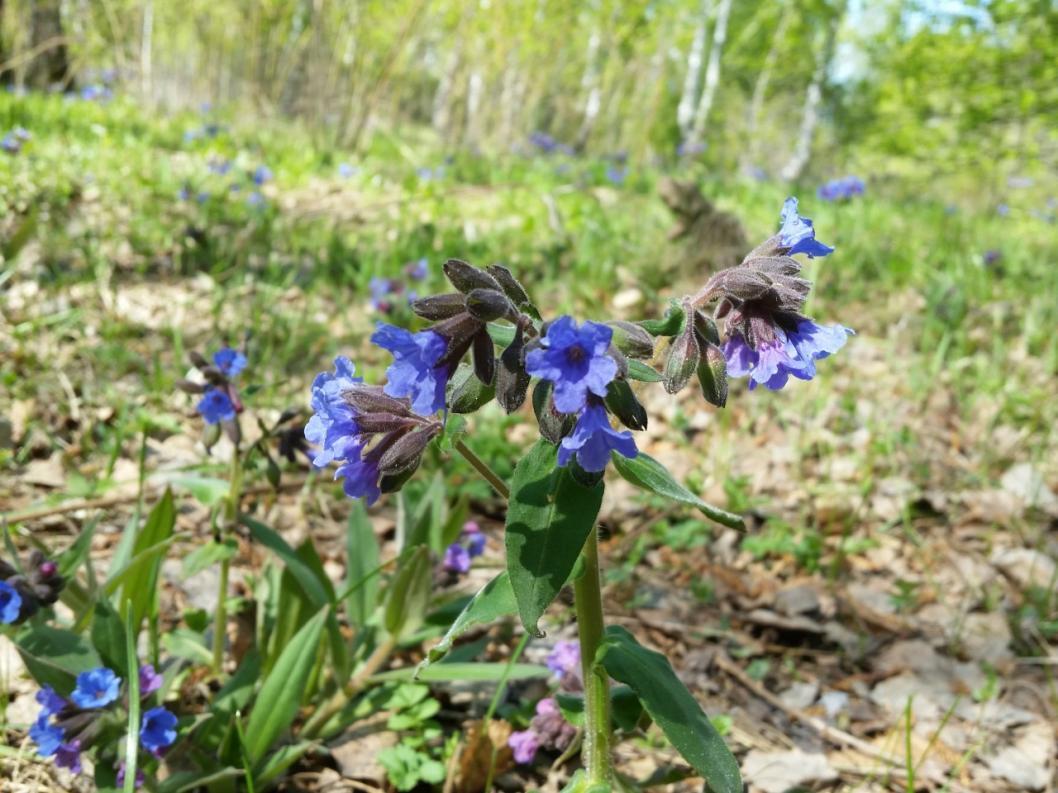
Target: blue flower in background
(202, 197)
(380, 288)
(256, 199)
(48, 737)
(788, 353)
(261, 175)
(50, 702)
(120, 779)
(158, 730)
(415, 371)
(456, 559)
(10, 603)
(543, 141)
(96, 688)
(150, 680)
(1003, 210)
(219, 167)
(524, 745)
(215, 406)
(333, 424)
(841, 189)
(68, 756)
(347, 171)
(576, 360)
(616, 174)
(475, 538)
(564, 659)
(230, 362)
(418, 270)
(592, 440)
(797, 233)
(690, 149)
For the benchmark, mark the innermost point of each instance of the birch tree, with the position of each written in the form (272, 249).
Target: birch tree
(692, 78)
(712, 73)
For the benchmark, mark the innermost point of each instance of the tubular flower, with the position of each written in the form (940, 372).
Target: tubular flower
(96, 688)
(215, 406)
(797, 233)
(376, 439)
(10, 603)
(416, 371)
(576, 360)
(157, 730)
(592, 440)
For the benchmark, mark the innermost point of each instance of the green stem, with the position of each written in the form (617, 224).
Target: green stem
(588, 598)
(479, 465)
(318, 720)
(231, 517)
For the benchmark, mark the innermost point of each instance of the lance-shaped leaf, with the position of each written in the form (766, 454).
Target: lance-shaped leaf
(672, 706)
(647, 473)
(493, 601)
(548, 519)
(409, 594)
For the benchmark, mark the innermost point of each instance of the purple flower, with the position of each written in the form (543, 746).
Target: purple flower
(788, 353)
(68, 755)
(992, 257)
(48, 737)
(140, 778)
(456, 559)
(564, 659)
(96, 688)
(345, 170)
(474, 538)
(616, 174)
(576, 360)
(50, 702)
(150, 681)
(261, 174)
(417, 270)
(333, 424)
(841, 189)
(797, 233)
(10, 603)
(215, 406)
(219, 167)
(380, 289)
(230, 362)
(361, 477)
(157, 730)
(1003, 210)
(415, 372)
(592, 440)
(524, 744)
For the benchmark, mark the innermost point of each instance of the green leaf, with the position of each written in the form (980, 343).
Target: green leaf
(409, 594)
(187, 644)
(672, 706)
(279, 761)
(317, 587)
(193, 780)
(503, 335)
(72, 558)
(468, 671)
(55, 657)
(362, 553)
(494, 601)
(139, 581)
(277, 704)
(637, 370)
(208, 555)
(647, 473)
(206, 489)
(108, 635)
(548, 520)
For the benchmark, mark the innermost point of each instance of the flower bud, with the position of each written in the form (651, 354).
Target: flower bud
(191, 387)
(438, 307)
(466, 277)
(371, 399)
(380, 422)
(622, 402)
(512, 288)
(553, 425)
(484, 356)
(487, 304)
(406, 450)
(631, 339)
(512, 381)
(706, 328)
(669, 325)
(683, 356)
(198, 359)
(712, 375)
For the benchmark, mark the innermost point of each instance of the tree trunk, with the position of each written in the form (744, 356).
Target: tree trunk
(685, 109)
(712, 73)
(760, 88)
(590, 87)
(50, 65)
(146, 46)
(813, 97)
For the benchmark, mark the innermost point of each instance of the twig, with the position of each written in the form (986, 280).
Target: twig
(824, 730)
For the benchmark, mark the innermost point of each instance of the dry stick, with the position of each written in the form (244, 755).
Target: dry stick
(825, 731)
(112, 501)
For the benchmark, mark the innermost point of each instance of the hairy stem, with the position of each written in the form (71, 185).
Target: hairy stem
(590, 624)
(318, 720)
(231, 517)
(482, 468)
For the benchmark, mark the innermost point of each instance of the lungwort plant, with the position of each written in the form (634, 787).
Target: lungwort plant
(487, 341)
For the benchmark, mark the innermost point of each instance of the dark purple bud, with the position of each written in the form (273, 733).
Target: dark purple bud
(712, 375)
(198, 359)
(48, 569)
(484, 358)
(488, 305)
(438, 307)
(631, 339)
(512, 381)
(466, 277)
(510, 285)
(406, 450)
(233, 431)
(191, 387)
(744, 283)
(371, 399)
(622, 402)
(369, 423)
(682, 360)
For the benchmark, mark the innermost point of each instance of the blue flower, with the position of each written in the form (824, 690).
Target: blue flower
(380, 288)
(219, 167)
(474, 538)
(96, 688)
(415, 372)
(797, 233)
(262, 174)
(10, 603)
(564, 659)
(48, 737)
(456, 559)
(333, 424)
(576, 360)
(140, 778)
(361, 477)
(1003, 210)
(50, 702)
(68, 756)
(841, 189)
(158, 730)
(255, 199)
(592, 440)
(10, 144)
(788, 353)
(616, 174)
(345, 170)
(150, 680)
(417, 270)
(230, 362)
(216, 406)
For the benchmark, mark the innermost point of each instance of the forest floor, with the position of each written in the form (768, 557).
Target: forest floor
(887, 621)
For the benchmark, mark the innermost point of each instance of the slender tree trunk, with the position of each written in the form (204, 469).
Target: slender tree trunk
(712, 72)
(592, 91)
(51, 66)
(442, 99)
(802, 152)
(760, 87)
(146, 46)
(475, 89)
(685, 109)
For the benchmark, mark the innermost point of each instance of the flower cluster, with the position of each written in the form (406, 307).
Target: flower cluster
(23, 594)
(376, 439)
(548, 729)
(220, 402)
(549, 145)
(383, 290)
(768, 339)
(13, 141)
(470, 545)
(841, 189)
(68, 726)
